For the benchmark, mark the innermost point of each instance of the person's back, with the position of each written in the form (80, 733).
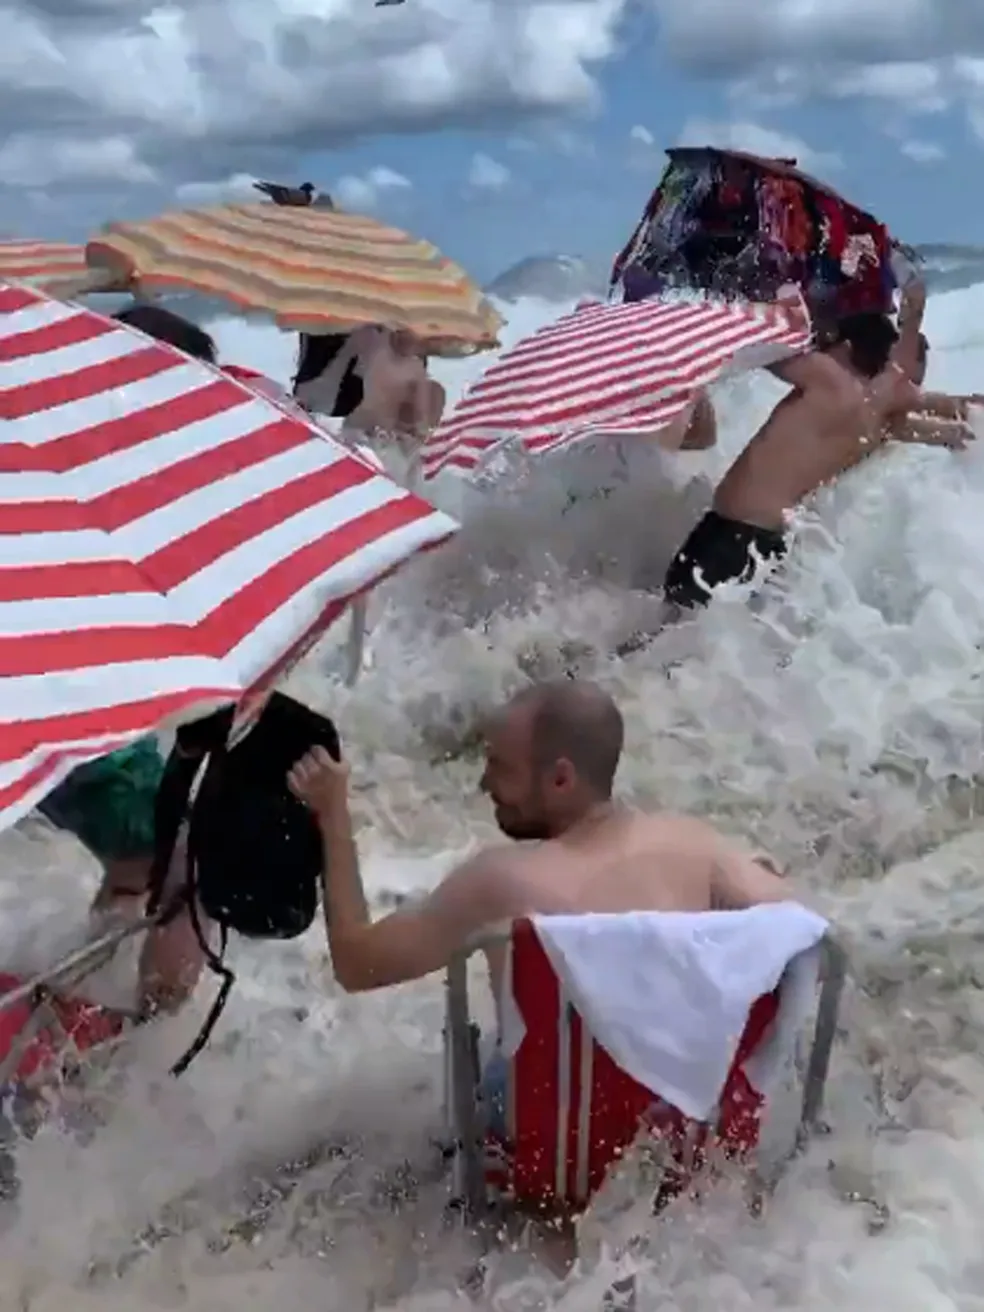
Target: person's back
(794, 452)
(629, 862)
(596, 855)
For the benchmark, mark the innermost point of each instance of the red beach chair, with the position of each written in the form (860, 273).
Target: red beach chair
(572, 1112)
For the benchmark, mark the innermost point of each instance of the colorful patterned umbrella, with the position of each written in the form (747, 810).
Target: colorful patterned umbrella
(610, 370)
(170, 541)
(315, 270)
(42, 263)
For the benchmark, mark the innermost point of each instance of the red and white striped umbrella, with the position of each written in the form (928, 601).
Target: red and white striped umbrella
(169, 539)
(610, 369)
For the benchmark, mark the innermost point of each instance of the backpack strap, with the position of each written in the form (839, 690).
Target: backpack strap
(214, 960)
(170, 809)
(217, 965)
(196, 746)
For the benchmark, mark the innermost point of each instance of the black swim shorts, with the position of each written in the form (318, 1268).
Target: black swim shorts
(719, 550)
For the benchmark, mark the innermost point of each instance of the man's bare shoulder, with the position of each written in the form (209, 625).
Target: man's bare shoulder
(489, 877)
(673, 829)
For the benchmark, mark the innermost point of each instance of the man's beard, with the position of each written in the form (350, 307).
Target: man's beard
(523, 829)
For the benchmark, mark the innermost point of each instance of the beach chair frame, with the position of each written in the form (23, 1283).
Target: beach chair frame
(462, 1074)
(40, 990)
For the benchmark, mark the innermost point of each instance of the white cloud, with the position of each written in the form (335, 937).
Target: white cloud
(487, 174)
(922, 152)
(29, 159)
(242, 87)
(643, 154)
(718, 34)
(114, 95)
(917, 86)
(366, 192)
(575, 145)
(757, 140)
(238, 187)
(918, 57)
(909, 87)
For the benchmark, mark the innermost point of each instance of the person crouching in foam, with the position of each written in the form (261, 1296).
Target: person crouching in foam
(375, 379)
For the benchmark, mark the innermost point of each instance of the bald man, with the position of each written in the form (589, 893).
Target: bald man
(551, 757)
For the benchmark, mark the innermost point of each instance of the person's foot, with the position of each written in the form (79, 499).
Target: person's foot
(122, 895)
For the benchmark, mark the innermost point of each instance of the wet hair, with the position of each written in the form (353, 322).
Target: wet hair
(315, 354)
(576, 721)
(166, 326)
(869, 338)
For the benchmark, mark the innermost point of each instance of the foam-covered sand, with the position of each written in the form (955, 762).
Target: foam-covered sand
(837, 724)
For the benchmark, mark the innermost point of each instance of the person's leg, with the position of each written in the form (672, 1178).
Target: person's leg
(694, 570)
(172, 956)
(430, 399)
(123, 888)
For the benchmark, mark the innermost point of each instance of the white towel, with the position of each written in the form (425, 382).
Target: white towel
(667, 994)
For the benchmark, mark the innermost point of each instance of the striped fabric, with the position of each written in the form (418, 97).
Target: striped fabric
(609, 369)
(41, 262)
(314, 270)
(169, 540)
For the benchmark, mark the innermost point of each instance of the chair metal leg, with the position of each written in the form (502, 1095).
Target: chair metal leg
(818, 1065)
(834, 974)
(463, 1086)
(75, 965)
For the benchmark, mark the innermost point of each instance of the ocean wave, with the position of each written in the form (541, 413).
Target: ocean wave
(837, 722)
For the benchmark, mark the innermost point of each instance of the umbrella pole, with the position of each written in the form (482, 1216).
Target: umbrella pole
(85, 959)
(414, 469)
(357, 641)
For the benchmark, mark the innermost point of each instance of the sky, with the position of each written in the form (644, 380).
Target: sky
(496, 128)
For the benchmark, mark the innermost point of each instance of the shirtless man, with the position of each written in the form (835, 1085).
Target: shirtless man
(794, 453)
(551, 757)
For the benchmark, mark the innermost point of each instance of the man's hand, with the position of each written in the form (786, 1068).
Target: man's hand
(932, 430)
(954, 436)
(320, 782)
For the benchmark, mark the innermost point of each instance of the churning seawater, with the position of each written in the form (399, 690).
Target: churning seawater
(837, 722)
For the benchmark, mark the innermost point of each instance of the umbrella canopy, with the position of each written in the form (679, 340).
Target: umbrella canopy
(741, 226)
(610, 370)
(42, 263)
(169, 539)
(314, 270)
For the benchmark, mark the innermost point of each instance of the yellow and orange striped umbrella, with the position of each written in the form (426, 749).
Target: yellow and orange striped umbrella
(315, 270)
(45, 264)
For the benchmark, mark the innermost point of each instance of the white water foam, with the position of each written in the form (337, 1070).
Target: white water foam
(836, 722)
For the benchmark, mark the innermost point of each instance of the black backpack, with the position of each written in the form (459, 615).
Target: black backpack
(254, 850)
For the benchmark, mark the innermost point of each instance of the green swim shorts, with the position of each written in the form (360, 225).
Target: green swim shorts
(108, 804)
